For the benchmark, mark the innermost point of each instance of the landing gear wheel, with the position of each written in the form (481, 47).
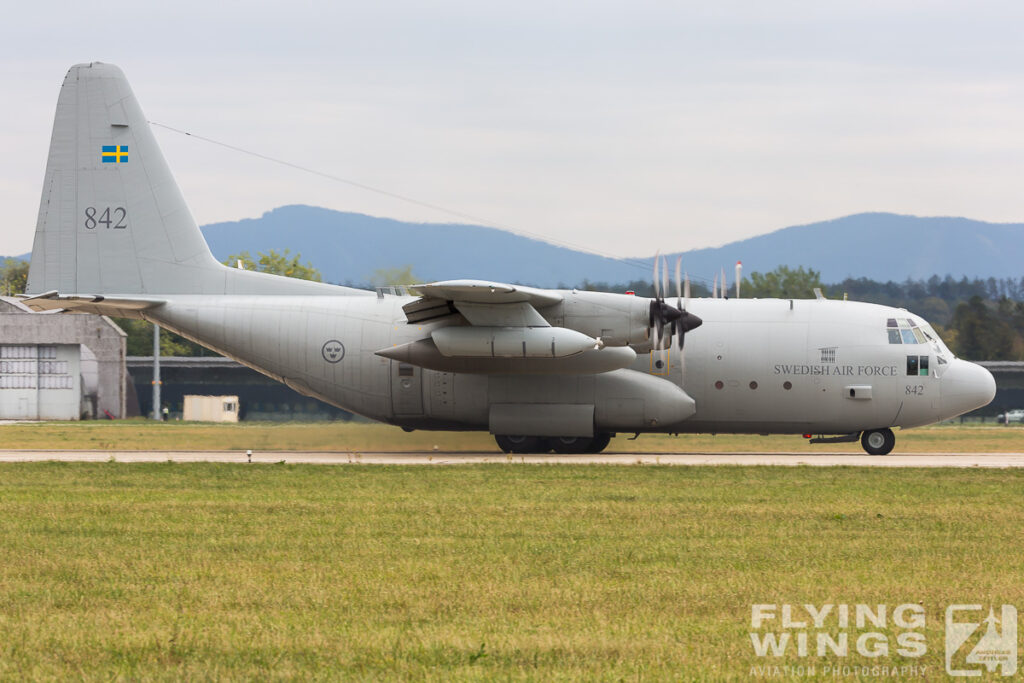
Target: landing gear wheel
(878, 441)
(571, 445)
(599, 442)
(522, 444)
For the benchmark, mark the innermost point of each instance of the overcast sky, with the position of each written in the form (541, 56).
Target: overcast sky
(624, 127)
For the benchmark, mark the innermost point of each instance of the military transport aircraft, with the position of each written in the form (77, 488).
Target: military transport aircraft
(541, 369)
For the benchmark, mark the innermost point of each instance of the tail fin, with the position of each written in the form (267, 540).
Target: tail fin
(112, 221)
(111, 218)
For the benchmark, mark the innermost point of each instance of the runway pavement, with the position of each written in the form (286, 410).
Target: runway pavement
(852, 459)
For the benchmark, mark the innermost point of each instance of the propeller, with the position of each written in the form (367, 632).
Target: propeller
(686, 321)
(662, 315)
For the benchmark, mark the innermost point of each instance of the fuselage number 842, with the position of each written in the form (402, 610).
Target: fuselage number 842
(115, 218)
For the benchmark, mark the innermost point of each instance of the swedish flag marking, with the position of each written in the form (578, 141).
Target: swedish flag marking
(115, 154)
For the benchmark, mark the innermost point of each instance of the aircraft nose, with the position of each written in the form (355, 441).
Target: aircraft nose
(966, 386)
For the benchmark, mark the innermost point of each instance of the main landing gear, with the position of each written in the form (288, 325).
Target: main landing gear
(558, 444)
(878, 441)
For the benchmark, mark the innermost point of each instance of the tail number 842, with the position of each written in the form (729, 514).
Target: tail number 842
(112, 218)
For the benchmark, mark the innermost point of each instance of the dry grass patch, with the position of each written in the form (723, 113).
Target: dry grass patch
(475, 573)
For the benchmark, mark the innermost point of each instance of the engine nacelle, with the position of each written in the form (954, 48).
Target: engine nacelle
(618, 319)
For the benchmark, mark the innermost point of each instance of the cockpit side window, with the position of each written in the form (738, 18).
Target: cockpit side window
(909, 331)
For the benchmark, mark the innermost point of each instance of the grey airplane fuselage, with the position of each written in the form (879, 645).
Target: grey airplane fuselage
(537, 368)
(755, 366)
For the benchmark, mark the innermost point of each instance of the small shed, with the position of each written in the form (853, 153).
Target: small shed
(210, 408)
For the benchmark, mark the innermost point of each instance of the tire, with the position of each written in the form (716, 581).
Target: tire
(521, 444)
(571, 445)
(878, 441)
(599, 442)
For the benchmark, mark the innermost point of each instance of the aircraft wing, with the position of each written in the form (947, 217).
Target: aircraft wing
(481, 303)
(505, 334)
(484, 292)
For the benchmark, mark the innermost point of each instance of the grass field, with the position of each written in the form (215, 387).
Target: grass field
(364, 437)
(171, 571)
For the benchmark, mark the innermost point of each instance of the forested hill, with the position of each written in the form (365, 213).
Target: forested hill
(349, 247)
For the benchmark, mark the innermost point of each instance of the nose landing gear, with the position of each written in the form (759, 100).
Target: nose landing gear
(878, 441)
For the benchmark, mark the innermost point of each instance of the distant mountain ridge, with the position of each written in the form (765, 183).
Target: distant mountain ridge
(349, 247)
(879, 246)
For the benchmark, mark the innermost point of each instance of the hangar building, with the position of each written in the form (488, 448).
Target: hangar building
(59, 367)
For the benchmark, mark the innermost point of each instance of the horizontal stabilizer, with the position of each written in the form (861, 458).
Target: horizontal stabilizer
(101, 305)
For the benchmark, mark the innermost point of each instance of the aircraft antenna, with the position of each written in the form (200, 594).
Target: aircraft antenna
(479, 220)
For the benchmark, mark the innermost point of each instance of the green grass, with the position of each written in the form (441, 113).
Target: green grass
(171, 571)
(365, 437)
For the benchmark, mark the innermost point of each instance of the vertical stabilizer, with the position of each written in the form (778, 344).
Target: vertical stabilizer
(111, 218)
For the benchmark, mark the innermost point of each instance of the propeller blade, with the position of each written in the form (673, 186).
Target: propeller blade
(657, 280)
(664, 279)
(679, 283)
(714, 288)
(723, 291)
(739, 271)
(686, 292)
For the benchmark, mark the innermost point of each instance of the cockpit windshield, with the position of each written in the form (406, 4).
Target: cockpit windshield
(911, 331)
(942, 352)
